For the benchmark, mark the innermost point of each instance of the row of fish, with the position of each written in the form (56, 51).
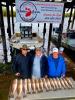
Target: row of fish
(23, 87)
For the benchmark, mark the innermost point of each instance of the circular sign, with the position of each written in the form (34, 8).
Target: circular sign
(28, 11)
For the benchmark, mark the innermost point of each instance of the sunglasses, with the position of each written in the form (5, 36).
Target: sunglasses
(38, 50)
(24, 49)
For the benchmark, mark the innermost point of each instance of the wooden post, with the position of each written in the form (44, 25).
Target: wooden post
(3, 34)
(8, 19)
(9, 25)
(49, 39)
(73, 19)
(38, 28)
(44, 32)
(69, 21)
(61, 29)
(12, 17)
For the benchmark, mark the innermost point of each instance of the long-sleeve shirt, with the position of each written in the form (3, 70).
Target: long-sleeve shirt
(22, 65)
(43, 68)
(57, 68)
(36, 71)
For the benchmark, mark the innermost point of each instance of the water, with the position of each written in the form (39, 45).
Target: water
(34, 29)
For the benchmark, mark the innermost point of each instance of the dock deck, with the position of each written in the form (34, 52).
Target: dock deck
(51, 95)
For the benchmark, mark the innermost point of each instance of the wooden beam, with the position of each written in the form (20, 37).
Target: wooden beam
(70, 4)
(69, 21)
(73, 19)
(61, 29)
(49, 38)
(3, 34)
(13, 1)
(8, 19)
(12, 18)
(44, 32)
(4, 5)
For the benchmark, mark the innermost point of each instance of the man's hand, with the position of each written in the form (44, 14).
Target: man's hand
(63, 76)
(46, 76)
(17, 74)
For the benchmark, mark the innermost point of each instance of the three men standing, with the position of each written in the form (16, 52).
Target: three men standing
(38, 65)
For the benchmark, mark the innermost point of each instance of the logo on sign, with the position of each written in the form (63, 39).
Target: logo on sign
(28, 11)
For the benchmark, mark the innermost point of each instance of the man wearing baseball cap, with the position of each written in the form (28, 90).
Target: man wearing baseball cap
(56, 63)
(61, 49)
(40, 64)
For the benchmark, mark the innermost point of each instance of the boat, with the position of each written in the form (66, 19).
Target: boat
(25, 36)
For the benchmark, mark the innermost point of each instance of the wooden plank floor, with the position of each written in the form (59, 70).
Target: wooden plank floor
(51, 95)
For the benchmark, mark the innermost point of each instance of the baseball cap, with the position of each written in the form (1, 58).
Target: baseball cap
(38, 48)
(55, 49)
(61, 49)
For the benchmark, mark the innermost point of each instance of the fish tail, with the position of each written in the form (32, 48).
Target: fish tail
(11, 94)
(18, 98)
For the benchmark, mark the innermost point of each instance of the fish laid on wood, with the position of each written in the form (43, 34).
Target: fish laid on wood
(29, 86)
(48, 84)
(59, 83)
(37, 85)
(56, 83)
(13, 88)
(45, 84)
(19, 88)
(62, 83)
(66, 83)
(52, 84)
(69, 82)
(25, 87)
(33, 86)
(41, 84)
